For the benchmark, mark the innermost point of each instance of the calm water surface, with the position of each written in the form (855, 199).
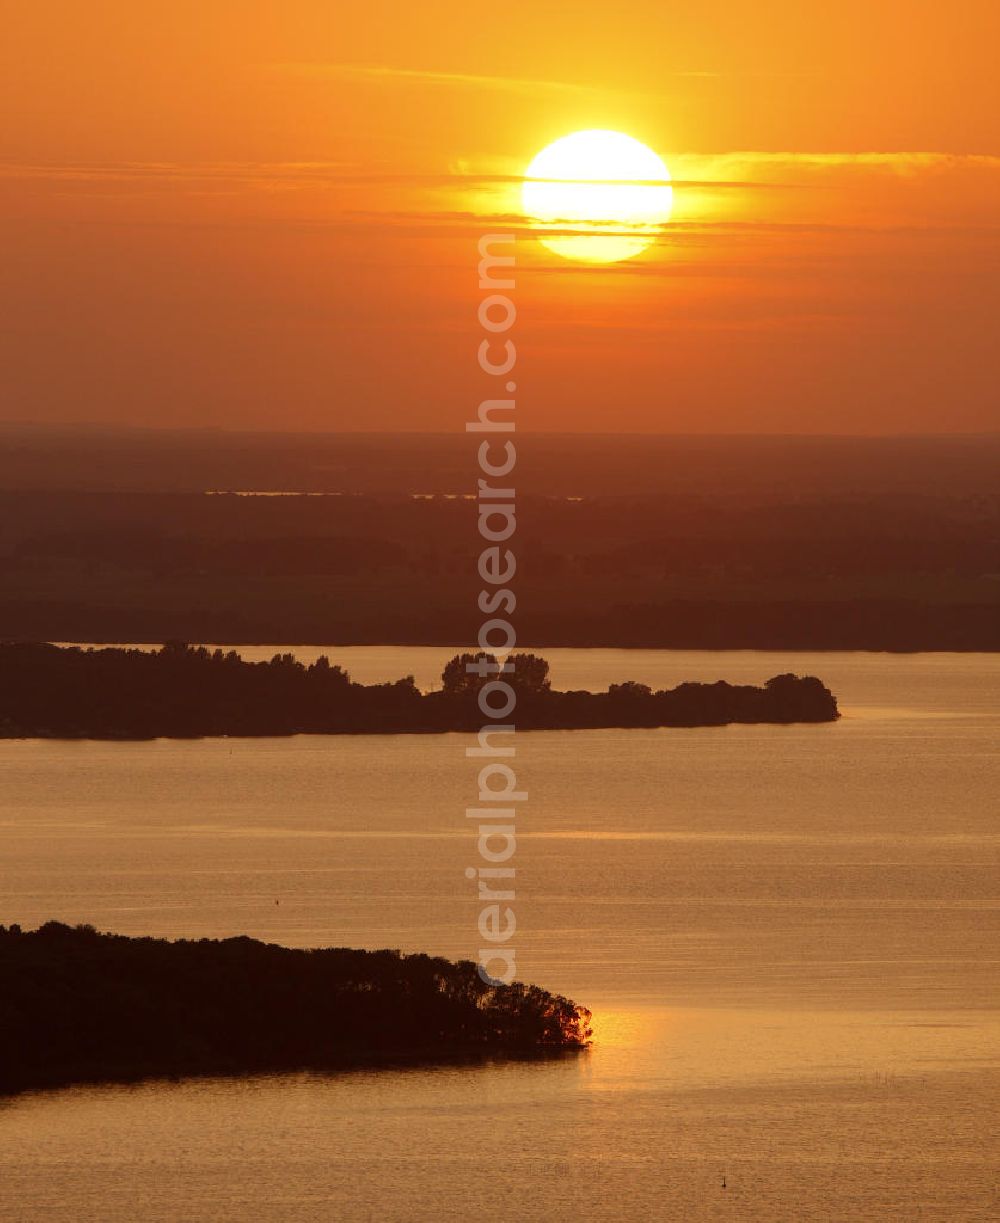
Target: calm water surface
(788, 936)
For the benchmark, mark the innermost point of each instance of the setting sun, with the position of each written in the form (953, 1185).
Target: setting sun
(604, 187)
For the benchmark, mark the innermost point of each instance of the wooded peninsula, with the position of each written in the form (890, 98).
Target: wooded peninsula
(180, 691)
(82, 1006)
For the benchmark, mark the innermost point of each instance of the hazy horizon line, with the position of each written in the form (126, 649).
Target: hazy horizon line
(96, 426)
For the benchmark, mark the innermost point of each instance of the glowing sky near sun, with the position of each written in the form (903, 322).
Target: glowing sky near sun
(265, 216)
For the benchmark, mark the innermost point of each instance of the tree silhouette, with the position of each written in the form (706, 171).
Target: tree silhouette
(457, 678)
(630, 690)
(531, 673)
(79, 1005)
(183, 691)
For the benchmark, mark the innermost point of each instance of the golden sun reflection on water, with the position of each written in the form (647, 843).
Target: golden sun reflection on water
(641, 1047)
(625, 1029)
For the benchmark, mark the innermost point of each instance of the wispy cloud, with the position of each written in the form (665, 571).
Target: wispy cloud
(306, 174)
(672, 231)
(716, 188)
(697, 170)
(386, 75)
(905, 161)
(132, 171)
(380, 73)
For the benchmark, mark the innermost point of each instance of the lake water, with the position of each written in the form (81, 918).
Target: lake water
(787, 934)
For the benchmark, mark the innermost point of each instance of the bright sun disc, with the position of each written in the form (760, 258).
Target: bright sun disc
(602, 185)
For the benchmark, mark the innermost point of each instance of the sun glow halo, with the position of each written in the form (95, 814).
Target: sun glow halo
(605, 187)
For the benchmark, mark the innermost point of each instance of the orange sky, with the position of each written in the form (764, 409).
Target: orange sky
(265, 215)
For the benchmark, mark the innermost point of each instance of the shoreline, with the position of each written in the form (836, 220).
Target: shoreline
(398, 1060)
(233, 644)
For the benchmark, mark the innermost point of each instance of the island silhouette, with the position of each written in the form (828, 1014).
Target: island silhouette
(181, 691)
(83, 1006)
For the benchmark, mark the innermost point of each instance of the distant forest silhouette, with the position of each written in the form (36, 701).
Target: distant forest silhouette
(182, 691)
(77, 1006)
(674, 543)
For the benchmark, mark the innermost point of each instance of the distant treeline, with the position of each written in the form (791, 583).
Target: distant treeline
(740, 552)
(181, 691)
(78, 1006)
(107, 457)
